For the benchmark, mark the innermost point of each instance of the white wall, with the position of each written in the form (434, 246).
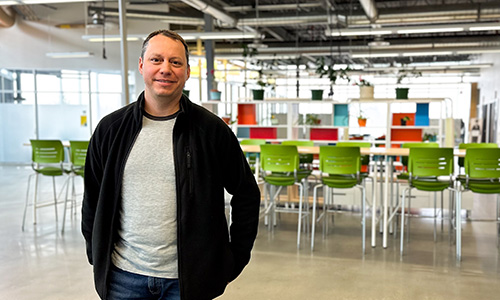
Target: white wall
(24, 45)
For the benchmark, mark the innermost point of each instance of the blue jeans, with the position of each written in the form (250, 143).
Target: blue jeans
(124, 285)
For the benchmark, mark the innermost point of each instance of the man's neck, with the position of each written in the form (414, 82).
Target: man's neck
(160, 108)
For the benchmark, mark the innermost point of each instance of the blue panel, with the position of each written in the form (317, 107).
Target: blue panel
(341, 115)
(422, 114)
(243, 132)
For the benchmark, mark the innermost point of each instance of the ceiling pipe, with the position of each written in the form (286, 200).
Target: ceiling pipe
(211, 10)
(370, 9)
(280, 21)
(271, 7)
(7, 17)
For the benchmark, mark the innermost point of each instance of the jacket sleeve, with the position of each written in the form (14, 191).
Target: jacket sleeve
(245, 203)
(92, 179)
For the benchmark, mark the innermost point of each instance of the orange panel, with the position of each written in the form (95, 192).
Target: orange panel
(396, 119)
(403, 134)
(246, 114)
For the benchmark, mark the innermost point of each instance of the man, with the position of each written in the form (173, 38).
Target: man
(153, 209)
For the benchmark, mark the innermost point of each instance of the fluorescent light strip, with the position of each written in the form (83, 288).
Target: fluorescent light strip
(414, 29)
(368, 55)
(110, 39)
(359, 32)
(188, 36)
(427, 53)
(26, 2)
(430, 30)
(69, 54)
(484, 28)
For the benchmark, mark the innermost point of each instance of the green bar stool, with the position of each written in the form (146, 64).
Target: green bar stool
(482, 176)
(280, 165)
(78, 153)
(429, 169)
(340, 169)
(47, 157)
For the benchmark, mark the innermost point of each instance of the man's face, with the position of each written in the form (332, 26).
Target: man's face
(164, 69)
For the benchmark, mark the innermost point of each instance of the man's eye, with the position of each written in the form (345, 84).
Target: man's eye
(155, 60)
(177, 63)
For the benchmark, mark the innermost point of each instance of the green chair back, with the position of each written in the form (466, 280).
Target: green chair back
(78, 150)
(282, 161)
(47, 151)
(404, 159)
(279, 158)
(482, 169)
(47, 157)
(339, 160)
(342, 164)
(430, 162)
(473, 145)
(425, 165)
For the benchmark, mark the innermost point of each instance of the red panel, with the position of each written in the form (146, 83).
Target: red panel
(403, 134)
(263, 133)
(325, 134)
(396, 119)
(246, 114)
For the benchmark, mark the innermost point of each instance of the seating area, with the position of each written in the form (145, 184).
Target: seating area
(426, 168)
(49, 158)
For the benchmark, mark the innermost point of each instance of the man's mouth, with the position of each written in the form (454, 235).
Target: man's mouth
(165, 81)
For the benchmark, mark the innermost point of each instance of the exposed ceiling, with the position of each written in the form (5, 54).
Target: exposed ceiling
(300, 31)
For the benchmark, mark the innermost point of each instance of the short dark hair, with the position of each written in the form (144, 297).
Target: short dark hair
(168, 33)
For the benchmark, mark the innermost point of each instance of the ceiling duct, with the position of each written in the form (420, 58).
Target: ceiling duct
(7, 17)
(211, 10)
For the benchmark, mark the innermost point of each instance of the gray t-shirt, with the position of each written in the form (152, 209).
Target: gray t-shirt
(147, 243)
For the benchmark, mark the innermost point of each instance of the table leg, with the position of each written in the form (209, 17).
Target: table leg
(374, 207)
(386, 200)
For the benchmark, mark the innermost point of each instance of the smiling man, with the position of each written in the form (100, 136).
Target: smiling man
(153, 210)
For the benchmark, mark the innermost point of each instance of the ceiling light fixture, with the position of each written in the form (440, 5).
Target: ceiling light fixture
(26, 2)
(430, 30)
(414, 29)
(69, 54)
(188, 36)
(111, 38)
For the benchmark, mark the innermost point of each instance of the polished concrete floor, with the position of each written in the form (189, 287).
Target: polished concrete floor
(41, 263)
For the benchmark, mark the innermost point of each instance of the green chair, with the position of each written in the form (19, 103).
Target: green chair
(340, 169)
(280, 165)
(403, 176)
(78, 153)
(472, 145)
(429, 169)
(252, 156)
(47, 157)
(482, 176)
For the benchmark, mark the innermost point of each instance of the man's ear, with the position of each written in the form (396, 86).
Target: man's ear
(140, 65)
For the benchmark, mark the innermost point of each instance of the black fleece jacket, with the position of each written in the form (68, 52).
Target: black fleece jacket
(207, 159)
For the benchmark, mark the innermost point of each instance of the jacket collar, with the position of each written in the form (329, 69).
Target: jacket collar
(184, 106)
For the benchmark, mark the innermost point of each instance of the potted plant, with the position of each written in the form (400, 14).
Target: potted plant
(332, 73)
(361, 119)
(259, 93)
(215, 94)
(402, 93)
(227, 120)
(312, 119)
(404, 120)
(365, 89)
